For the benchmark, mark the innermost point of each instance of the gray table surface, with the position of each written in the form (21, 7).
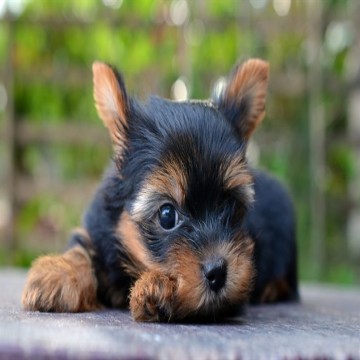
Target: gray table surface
(325, 325)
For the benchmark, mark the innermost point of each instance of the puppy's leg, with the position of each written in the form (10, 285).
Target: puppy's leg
(152, 297)
(61, 283)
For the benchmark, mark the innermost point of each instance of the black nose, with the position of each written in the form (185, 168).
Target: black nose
(215, 272)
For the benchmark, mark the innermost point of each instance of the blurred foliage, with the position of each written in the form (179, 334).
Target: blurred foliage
(55, 42)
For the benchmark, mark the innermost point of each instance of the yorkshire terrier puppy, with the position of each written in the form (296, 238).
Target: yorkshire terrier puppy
(180, 227)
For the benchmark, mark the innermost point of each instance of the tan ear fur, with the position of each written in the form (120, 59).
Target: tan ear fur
(111, 102)
(243, 100)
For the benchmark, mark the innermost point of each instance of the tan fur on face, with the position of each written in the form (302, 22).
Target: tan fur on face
(169, 180)
(249, 86)
(192, 294)
(111, 103)
(61, 283)
(240, 269)
(131, 239)
(184, 265)
(237, 176)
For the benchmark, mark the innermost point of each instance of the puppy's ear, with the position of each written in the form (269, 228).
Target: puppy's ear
(111, 102)
(243, 99)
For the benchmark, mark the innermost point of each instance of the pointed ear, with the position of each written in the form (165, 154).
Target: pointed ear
(243, 99)
(111, 102)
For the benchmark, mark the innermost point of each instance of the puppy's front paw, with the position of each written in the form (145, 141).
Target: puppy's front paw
(152, 297)
(61, 283)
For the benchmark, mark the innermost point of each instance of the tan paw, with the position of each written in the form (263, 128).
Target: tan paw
(61, 283)
(152, 297)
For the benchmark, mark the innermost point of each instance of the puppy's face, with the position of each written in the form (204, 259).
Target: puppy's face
(183, 172)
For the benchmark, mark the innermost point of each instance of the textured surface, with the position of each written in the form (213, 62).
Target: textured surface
(325, 325)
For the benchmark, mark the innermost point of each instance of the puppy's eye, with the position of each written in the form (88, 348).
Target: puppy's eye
(168, 217)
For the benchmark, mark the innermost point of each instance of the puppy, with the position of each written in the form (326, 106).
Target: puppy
(180, 226)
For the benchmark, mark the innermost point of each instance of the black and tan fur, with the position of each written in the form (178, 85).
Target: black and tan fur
(180, 226)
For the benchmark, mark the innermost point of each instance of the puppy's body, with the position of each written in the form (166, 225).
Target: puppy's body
(174, 225)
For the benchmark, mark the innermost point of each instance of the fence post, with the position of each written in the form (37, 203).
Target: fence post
(317, 137)
(10, 243)
(353, 74)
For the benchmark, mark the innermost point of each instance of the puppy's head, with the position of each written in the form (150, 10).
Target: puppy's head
(184, 177)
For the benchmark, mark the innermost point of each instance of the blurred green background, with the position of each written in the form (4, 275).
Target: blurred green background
(53, 148)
